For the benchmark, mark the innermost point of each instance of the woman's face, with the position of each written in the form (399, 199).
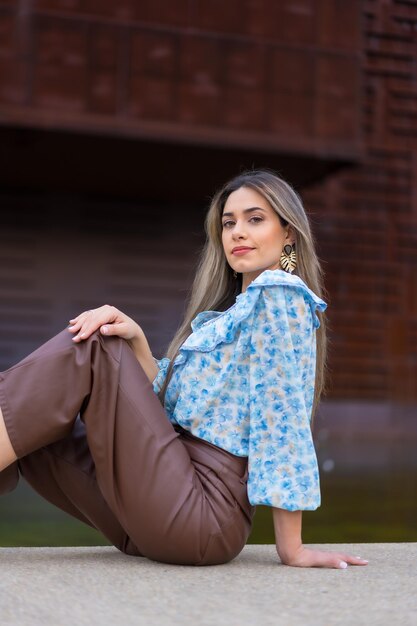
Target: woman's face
(252, 235)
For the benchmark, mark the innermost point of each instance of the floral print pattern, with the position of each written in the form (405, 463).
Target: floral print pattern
(244, 381)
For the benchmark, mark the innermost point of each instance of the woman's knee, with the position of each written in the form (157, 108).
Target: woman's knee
(224, 546)
(127, 546)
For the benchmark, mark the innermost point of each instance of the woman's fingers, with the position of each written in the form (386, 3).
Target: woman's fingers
(81, 316)
(327, 559)
(77, 323)
(118, 329)
(88, 322)
(107, 319)
(320, 558)
(75, 326)
(339, 560)
(355, 560)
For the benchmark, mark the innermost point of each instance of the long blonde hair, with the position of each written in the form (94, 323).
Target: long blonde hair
(214, 286)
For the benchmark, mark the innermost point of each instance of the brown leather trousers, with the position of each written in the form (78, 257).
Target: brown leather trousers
(92, 438)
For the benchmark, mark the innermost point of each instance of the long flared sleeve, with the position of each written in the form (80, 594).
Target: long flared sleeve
(159, 379)
(283, 469)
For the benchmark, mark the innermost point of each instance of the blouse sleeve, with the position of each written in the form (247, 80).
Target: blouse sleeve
(159, 379)
(283, 469)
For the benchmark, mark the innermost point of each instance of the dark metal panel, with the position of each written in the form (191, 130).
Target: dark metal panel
(62, 255)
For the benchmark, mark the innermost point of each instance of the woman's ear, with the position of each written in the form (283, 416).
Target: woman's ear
(290, 237)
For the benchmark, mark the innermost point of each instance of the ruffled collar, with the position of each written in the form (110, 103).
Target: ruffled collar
(211, 328)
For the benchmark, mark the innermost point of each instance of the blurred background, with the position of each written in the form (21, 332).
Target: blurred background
(119, 120)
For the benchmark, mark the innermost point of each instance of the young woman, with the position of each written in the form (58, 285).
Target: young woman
(168, 458)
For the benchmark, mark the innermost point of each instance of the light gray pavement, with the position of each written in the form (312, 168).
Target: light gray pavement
(101, 586)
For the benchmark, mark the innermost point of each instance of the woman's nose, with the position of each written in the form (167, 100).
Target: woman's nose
(238, 231)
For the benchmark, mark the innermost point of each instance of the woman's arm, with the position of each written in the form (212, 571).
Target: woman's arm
(111, 321)
(283, 467)
(287, 527)
(140, 347)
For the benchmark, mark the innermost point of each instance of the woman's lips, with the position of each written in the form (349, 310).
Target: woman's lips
(241, 251)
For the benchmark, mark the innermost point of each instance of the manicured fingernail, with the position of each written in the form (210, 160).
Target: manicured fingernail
(343, 565)
(82, 335)
(104, 330)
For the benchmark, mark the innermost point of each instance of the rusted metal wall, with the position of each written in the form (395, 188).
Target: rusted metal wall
(261, 74)
(368, 222)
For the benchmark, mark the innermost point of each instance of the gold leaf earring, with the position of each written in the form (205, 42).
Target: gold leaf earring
(288, 258)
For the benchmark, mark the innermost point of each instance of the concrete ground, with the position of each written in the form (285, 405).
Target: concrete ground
(99, 585)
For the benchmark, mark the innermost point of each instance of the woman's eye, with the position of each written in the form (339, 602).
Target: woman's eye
(256, 219)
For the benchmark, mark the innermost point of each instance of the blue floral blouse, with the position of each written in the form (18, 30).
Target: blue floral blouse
(244, 381)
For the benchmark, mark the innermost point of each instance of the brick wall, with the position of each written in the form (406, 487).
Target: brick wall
(261, 74)
(367, 222)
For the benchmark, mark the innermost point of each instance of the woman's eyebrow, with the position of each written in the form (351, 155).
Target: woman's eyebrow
(254, 208)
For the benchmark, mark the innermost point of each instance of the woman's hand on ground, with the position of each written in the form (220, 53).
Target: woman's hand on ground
(306, 557)
(107, 319)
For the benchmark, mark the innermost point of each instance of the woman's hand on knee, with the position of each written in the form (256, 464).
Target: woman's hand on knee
(108, 320)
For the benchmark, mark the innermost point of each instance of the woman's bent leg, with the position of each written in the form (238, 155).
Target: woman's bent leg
(64, 474)
(142, 467)
(7, 453)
